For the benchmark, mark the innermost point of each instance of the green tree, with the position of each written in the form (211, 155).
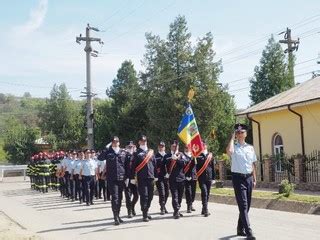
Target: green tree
(104, 120)
(172, 67)
(19, 141)
(128, 106)
(272, 76)
(63, 117)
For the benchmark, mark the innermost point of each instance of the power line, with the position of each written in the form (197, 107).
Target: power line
(125, 17)
(113, 14)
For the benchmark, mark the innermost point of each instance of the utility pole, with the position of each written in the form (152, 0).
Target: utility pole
(88, 93)
(293, 45)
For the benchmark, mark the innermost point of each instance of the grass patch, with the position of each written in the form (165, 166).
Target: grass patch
(269, 195)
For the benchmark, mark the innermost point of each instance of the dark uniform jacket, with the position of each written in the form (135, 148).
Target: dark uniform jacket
(149, 170)
(115, 165)
(192, 167)
(128, 164)
(161, 166)
(177, 173)
(208, 173)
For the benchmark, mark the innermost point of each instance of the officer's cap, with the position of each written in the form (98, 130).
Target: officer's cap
(161, 143)
(130, 144)
(239, 127)
(175, 143)
(143, 138)
(115, 139)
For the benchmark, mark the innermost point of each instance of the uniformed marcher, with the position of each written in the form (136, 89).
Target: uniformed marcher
(131, 190)
(116, 175)
(144, 168)
(191, 179)
(205, 175)
(102, 181)
(175, 163)
(88, 174)
(76, 168)
(163, 182)
(66, 172)
(96, 182)
(243, 168)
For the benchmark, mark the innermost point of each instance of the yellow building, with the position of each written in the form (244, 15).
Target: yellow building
(288, 122)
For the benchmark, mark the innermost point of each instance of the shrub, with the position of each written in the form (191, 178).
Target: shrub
(286, 188)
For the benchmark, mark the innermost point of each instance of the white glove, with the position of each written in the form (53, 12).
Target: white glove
(188, 178)
(126, 182)
(133, 181)
(155, 179)
(213, 182)
(167, 175)
(108, 145)
(174, 157)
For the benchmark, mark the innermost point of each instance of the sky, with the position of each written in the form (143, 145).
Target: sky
(38, 47)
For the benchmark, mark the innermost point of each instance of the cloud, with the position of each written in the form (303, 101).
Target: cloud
(36, 18)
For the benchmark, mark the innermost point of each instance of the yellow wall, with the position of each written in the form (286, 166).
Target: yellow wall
(287, 125)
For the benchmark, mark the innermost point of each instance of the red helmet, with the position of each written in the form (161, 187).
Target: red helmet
(36, 157)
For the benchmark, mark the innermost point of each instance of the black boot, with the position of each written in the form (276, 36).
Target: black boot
(189, 209)
(120, 219)
(116, 218)
(241, 232)
(165, 210)
(206, 213)
(162, 211)
(133, 211)
(176, 214)
(145, 216)
(129, 213)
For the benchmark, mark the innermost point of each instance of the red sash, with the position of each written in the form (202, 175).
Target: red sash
(145, 161)
(205, 165)
(172, 164)
(187, 167)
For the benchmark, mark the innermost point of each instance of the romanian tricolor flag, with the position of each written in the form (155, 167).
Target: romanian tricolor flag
(189, 133)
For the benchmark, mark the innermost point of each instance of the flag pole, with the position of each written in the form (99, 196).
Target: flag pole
(190, 97)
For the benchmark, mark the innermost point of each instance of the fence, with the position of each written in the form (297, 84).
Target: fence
(303, 171)
(311, 167)
(12, 168)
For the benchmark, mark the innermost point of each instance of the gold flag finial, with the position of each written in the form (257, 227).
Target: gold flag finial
(190, 94)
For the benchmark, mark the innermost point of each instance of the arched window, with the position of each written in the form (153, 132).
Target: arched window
(278, 151)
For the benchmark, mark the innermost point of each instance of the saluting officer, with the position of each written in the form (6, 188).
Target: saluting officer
(88, 174)
(162, 183)
(191, 179)
(116, 174)
(243, 168)
(205, 175)
(175, 163)
(131, 190)
(144, 167)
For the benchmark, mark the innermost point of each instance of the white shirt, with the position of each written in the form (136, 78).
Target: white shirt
(242, 158)
(101, 165)
(69, 165)
(77, 166)
(89, 167)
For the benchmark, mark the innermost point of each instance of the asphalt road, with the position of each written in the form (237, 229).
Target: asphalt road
(48, 216)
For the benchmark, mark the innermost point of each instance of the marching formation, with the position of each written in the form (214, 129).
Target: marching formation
(135, 171)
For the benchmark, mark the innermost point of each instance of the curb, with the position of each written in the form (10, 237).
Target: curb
(272, 204)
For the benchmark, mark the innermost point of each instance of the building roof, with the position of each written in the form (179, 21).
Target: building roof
(302, 93)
